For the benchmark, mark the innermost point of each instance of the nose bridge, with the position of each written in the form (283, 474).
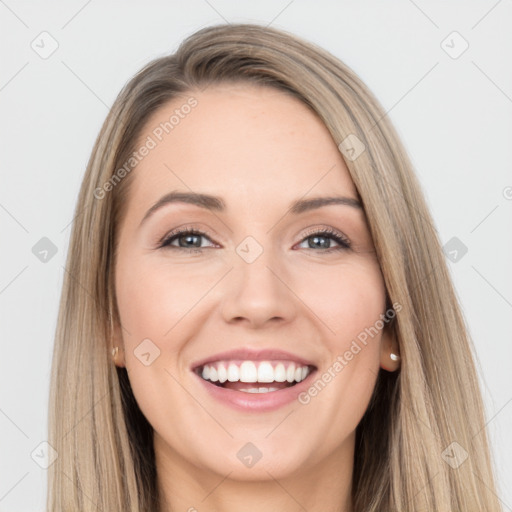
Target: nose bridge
(256, 290)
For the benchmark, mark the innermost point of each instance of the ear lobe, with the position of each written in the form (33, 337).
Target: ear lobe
(389, 350)
(117, 341)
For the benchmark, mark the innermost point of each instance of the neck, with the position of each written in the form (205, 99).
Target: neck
(322, 487)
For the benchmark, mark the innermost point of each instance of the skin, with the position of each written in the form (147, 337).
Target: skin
(259, 149)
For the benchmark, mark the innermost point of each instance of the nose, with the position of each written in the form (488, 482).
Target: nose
(259, 293)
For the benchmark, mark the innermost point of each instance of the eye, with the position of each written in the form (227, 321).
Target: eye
(322, 239)
(187, 239)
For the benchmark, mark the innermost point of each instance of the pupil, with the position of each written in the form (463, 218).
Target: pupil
(190, 238)
(324, 242)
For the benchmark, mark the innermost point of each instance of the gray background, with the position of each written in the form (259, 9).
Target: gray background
(452, 111)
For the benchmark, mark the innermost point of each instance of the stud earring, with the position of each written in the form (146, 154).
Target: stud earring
(115, 352)
(394, 357)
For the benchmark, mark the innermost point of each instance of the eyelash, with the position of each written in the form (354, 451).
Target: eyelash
(343, 242)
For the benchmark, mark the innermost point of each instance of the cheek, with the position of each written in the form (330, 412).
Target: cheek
(349, 301)
(155, 305)
(157, 298)
(154, 297)
(347, 298)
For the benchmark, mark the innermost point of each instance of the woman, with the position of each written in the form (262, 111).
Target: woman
(257, 314)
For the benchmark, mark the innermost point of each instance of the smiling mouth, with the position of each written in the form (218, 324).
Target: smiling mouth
(254, 376)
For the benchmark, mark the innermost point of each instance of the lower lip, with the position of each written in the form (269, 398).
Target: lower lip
(260, 402)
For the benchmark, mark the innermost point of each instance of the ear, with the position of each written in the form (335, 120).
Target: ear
(388, 346)
(117, 341)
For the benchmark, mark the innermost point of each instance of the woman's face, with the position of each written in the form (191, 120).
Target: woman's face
(258, 290)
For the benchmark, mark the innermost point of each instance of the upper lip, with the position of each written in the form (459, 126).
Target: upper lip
(247, 354)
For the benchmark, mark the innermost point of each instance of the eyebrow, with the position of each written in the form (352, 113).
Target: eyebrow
(216, 204)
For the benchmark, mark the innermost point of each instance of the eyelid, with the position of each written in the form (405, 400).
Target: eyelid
(184, 229)
(343, 242)
(327, 230)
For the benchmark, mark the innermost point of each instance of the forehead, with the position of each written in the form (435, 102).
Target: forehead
(250, 144)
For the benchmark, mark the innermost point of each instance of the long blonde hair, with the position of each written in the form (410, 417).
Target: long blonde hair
(404, 442)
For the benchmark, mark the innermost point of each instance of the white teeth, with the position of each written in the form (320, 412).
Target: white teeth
(233, 373)
(248, 372)
(222, 373)
(258, 390)
(254, 371)
(280, 373)
(265, 372)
